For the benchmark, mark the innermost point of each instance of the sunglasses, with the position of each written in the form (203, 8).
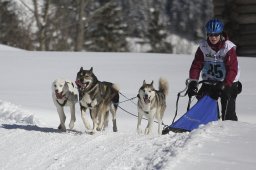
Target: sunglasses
(213, 34)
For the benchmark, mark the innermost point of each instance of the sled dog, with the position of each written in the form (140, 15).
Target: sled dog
(99, 97)
(64, 93)
(152, 104)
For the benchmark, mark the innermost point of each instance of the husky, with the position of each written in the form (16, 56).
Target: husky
(99, 97)
(64, 93)
(152, 104)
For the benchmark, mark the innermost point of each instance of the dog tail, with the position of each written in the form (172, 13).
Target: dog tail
(163, 86)
(115, 87)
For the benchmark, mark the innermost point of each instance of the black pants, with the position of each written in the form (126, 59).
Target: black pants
(228, 103)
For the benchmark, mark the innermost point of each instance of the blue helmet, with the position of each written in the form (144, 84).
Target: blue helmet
(214, 26)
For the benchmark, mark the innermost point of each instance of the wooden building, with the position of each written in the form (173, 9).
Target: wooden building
(239, 17)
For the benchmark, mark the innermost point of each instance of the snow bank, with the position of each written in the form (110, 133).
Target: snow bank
(14, 114)
(8, 48)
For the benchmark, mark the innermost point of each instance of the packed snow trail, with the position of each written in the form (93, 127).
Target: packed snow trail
(75, 150)
(35, 147)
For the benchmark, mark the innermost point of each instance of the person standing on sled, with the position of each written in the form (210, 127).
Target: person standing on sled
(216, 60)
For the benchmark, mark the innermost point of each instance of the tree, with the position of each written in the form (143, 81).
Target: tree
(107, 29)
(80, 26)
(11, 31)
(42, 22)
(157, 34)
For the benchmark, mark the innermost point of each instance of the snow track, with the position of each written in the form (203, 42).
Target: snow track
(34, 147)
(106, 150)
(47, 148)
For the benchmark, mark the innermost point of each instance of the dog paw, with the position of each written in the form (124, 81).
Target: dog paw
(71, 125)
(87, 131)
(87, 126)
(92, 132)
(114, 129)
(98, 129)
(62, 128)
(147, 131)
(139, 131)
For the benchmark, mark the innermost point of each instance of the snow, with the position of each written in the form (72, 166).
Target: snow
(8, 48)
(29, 120)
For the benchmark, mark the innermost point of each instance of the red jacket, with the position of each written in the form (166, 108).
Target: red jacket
(230, 61)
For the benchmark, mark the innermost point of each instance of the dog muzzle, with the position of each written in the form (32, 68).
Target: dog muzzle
(81, 85)
(59, 95)
(146, 99)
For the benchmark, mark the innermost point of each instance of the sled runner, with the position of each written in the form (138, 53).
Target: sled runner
(203, 112)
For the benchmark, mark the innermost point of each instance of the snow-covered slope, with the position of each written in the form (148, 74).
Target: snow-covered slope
(8, 48)
(28, 118)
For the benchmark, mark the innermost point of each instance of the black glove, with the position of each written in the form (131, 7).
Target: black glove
(192, 88)
(226, 92)
(220, 86)
(222, 90)
(239, 87)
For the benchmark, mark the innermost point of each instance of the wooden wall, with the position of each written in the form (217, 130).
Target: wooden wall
(239, 17)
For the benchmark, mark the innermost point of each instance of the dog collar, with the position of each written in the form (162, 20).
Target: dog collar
(63, 97)
(63, 104)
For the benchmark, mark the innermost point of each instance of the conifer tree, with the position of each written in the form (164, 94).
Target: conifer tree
(157, 34)
(107, 32)
(11, 33)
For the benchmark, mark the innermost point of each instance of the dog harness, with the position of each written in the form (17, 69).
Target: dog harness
(64, 103)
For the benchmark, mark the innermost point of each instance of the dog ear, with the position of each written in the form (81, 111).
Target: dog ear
(138, 95)
(152, 83)
(91, 70)
(65, 87)
(81, 69)
(144, 82)
(66, 84)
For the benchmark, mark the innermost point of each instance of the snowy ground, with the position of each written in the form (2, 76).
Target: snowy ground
(28, 118)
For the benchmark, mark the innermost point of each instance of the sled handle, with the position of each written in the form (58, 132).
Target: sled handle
(188, 80)
(182, 94)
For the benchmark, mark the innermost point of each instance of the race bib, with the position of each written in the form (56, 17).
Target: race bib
(214, 66)
(214, 71)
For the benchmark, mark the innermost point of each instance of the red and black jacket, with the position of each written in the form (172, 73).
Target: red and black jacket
(230, 61)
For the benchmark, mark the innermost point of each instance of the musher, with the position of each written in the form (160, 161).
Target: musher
(216, 60)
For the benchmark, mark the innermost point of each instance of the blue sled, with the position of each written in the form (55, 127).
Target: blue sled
(203, 112)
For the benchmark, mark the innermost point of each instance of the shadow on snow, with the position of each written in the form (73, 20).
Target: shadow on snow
(37, 128)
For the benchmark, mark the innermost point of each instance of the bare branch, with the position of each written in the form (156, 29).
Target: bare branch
(37, 14)
(23, 3)
(46, 11)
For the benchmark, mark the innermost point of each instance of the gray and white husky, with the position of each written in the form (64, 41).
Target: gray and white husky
(152, 104)
(64, 93)
(99, 97)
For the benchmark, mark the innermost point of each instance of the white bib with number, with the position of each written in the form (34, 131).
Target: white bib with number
(214, 66)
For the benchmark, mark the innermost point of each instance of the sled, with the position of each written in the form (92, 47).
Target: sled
(204, 111)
